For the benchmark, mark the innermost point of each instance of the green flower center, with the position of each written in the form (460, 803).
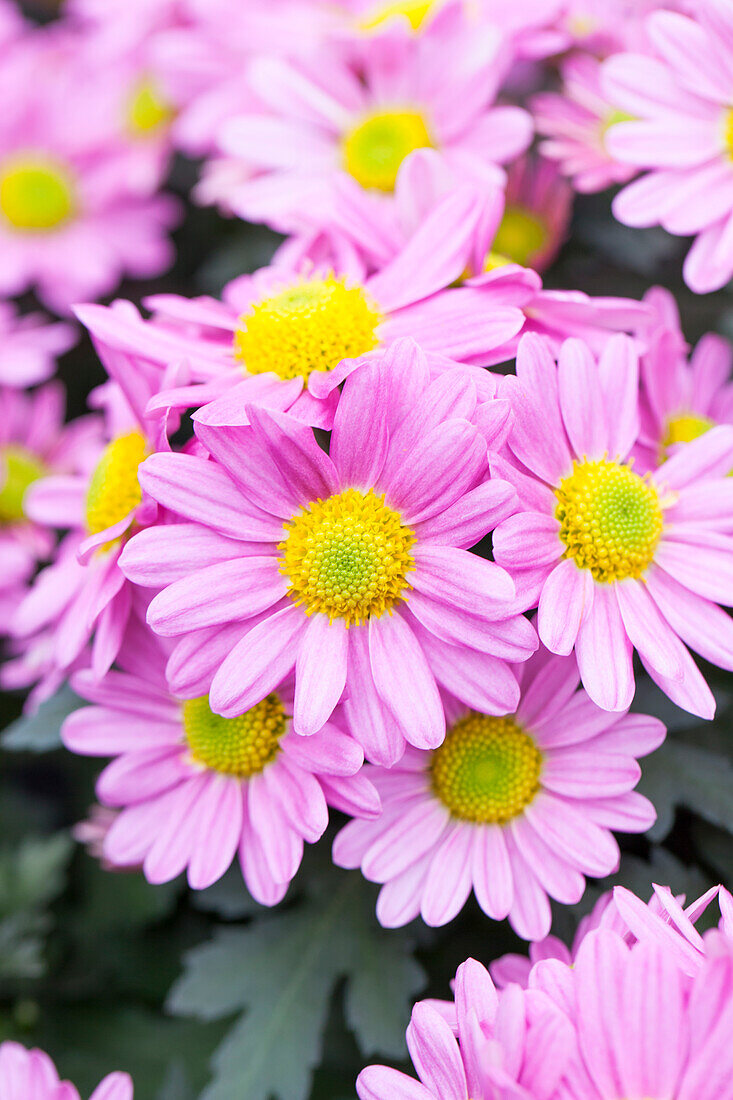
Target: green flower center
(610, 519)
(347, 556)
(375, 149)
(241, 746)
(21, 469)
(114, 490)
(521, 236)
(312, 325)
(36, 193)
(487, 770)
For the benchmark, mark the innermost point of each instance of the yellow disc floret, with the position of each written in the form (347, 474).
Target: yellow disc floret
(487, 770)
(18, 470)
(114, 490)
(374, 150)
(414, 11)
(520, 237)
(610, 519)
(728, 131)
(241, 746)
(147, 110)
(683, 429)
(36, 193)
(312, 325)
(347, 557)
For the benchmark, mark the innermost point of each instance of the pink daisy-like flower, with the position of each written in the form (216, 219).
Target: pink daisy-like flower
(644, 1028)
(356, 561)
(34, 442)
(196, 790)
(536, 216)
(31, 1075)
(29, 346)
(295, 330)
(515, 808)
(682, 397)
(12, 23)
(320, 120)
(681, 129)
(574, 125)
(70, 223)
(616, 560)
(82, 595)
(486, 1045)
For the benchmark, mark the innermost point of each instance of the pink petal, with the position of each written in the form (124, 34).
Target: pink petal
(320, 672)
(258, 663)
(565, 603)
(404, 681)
(604, 653)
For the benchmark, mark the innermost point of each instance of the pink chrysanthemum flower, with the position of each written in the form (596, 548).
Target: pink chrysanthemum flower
(682, 397)
(319, 120)
(536, 216)
(616, 560)
(31, 1075)
(643, 1027)
(70, 223)
(574, 125)
(681, 129)
(11, 22)
(34, 442)
(356, 562)
(29, 346)
(484, 1046)
(197, 790)
(82, 596)
(515, 808)
(297, 329)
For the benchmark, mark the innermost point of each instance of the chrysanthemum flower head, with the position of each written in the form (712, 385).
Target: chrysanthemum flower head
(71, 223)
(618, 559)
(29, 346)
(31, 1075)
(485, 1045)
(680, 129)
(319, 121)
(196, 790)
(356, 561)
(513, 808)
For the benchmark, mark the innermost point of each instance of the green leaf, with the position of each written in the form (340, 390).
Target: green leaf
(41, 732)
(680, 774)
(282, 971)
(30, 878)
(228, 897)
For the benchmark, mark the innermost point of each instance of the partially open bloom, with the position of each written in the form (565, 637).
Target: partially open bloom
(482, 1046)
(29, 346)
(31, 1075)
(574, 123)
(287, 336)
(70, 222)
(681, 129)
(682, 396)
(617, 560)
(536, 215)
(515, 808)
(34, 442)
(197, 790)
(319, 120)
(356, 562)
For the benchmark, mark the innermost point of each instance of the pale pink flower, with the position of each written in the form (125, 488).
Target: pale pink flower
(29, 346)
(513, 808)
(396, 602)
(617, 561)
(31, 1075)
(195, 790)
(681, 130)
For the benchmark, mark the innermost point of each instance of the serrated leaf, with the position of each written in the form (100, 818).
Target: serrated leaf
(41, 732)
(282, 972)
(679, 774)
(228, 897)
(30, 878)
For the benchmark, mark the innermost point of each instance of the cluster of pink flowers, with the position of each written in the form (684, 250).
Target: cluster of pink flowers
(426, 510)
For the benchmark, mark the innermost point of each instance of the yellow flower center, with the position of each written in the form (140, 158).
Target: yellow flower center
(114, 490)
(415, 11)
(36, 193)
(241, 746)
(520, 237)
(728, 130)
(487, 770)
(21, 469)
(610, 519)
(312, 325)
(147, 110)
(612, 118)
(347, 556)
(683, 429)
(374, 150)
